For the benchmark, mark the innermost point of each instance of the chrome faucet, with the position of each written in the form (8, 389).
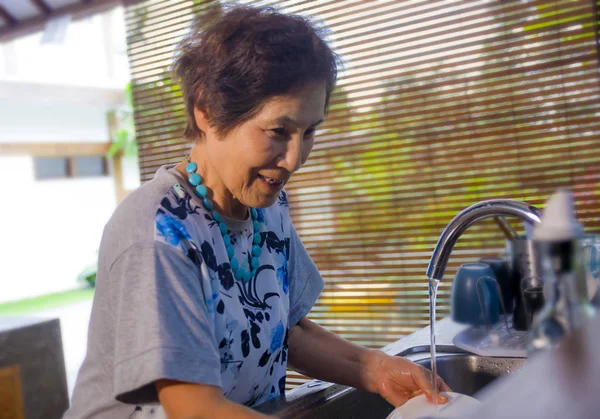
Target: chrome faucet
(468, 217)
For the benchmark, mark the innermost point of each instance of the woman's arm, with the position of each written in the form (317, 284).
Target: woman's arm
(318, 353)
(196, 401)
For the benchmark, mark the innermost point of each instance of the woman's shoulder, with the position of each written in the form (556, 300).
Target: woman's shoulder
(136, 219)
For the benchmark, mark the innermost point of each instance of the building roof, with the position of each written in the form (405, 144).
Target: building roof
(22, 17)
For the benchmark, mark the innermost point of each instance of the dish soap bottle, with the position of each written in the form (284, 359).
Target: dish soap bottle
(557, 239)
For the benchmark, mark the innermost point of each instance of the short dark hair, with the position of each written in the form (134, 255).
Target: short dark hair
(236, 57)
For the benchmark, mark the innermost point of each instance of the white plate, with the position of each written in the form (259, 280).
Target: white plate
(458, 405)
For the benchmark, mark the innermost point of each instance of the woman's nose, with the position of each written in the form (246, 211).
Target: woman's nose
(291, 157)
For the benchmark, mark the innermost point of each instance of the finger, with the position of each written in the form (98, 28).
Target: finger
(416, 393)
(423, 380)
(441, 397)
(395, 398)
(442, 385)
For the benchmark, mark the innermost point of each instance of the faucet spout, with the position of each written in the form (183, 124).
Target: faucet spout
(468, 217)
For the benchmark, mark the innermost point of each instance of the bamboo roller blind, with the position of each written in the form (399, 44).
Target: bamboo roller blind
(440, 104)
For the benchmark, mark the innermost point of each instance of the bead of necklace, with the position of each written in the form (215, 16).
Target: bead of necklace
(195, 180)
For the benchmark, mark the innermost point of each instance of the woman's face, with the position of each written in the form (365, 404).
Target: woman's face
(251, 164)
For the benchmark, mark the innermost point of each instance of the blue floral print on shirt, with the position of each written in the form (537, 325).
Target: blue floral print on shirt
(277, 337)
(171, 229)
(250, 319)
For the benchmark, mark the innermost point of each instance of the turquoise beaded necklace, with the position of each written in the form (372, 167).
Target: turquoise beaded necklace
(202, 192)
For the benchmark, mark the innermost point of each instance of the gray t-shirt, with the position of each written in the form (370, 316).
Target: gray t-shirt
(167, 305)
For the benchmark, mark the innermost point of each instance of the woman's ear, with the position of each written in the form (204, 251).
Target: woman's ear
(201, 120)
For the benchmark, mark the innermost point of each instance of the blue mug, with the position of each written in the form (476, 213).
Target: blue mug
(505, 280)
(475, 295)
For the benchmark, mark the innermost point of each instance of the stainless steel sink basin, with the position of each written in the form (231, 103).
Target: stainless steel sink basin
(467, 374)
(464, 373)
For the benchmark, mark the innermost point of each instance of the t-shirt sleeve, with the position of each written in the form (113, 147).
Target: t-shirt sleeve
(163, 328)
(305, 280)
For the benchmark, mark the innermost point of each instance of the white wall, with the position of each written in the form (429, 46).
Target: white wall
(52, 122)
(51, 229)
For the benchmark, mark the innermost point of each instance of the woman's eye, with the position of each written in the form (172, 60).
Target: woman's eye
(309, 133)
(280, 131)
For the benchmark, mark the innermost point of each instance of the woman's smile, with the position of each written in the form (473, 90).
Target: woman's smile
(273, 185)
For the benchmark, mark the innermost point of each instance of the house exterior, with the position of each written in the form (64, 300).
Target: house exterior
(58, 187)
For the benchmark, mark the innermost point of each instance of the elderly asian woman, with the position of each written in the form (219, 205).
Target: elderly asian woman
(203, 284)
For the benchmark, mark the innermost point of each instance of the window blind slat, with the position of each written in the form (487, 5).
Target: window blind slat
(522, 94)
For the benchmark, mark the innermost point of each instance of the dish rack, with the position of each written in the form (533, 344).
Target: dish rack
(499, 340)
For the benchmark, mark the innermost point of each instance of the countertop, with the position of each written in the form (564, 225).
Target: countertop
(445, 330)
(13, 323)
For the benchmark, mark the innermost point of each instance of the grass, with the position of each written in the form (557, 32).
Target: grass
(45, 302)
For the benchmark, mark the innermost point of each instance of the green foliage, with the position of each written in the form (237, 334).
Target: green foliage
(29, 306)
(88, 275)
(124, 140)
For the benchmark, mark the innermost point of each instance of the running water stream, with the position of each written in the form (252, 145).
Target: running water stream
(433, 287)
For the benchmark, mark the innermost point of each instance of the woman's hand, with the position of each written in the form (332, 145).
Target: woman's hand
(397, 379)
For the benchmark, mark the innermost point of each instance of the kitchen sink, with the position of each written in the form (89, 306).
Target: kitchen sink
(464, 373)
(467, 374)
